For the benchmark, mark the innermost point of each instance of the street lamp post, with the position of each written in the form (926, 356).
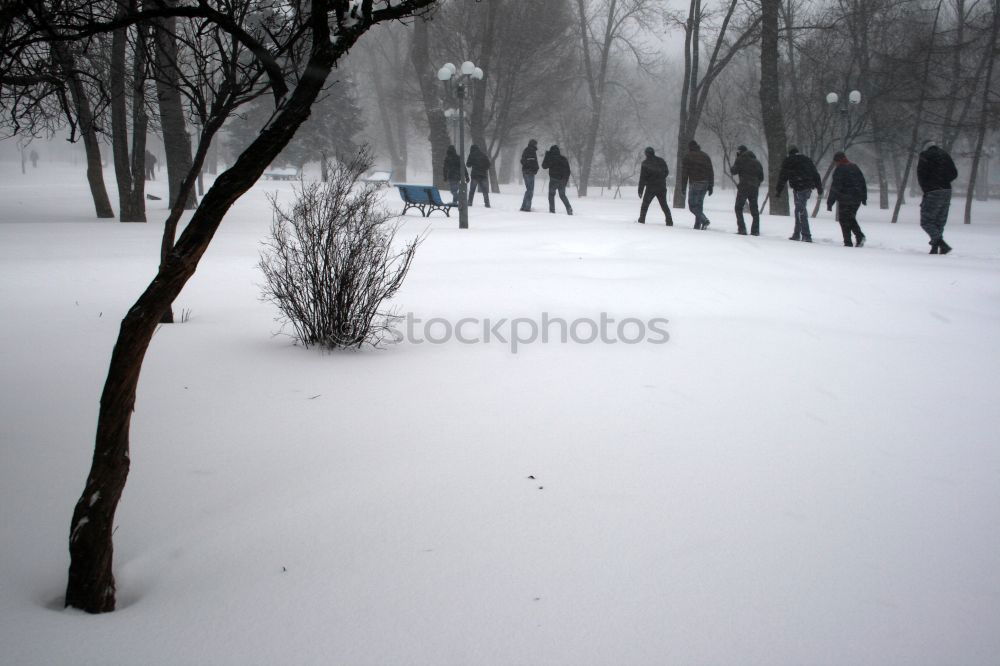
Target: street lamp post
(853, 99)
(446, 73)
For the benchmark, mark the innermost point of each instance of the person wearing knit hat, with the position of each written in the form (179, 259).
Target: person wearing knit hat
(696, 169)
(849, 191)
(799, 172)
(748, 169)
(653, 184)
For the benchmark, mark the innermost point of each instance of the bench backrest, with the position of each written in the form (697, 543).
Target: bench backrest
(379, 177)
(420, 194)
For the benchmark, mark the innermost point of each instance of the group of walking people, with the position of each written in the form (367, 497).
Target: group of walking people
(478, 170)
(848, 188)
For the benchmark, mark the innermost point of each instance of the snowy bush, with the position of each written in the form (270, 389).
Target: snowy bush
(331, 261)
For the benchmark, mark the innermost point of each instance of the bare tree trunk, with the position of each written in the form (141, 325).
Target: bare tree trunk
(430, 91)
(477, 117)
(388, 110)
(129, 169)
(91, 583)
(85, 118)
(880, 162)
(596, 85)
(176, 142)
(984, 111)
(687, 90)
(770, 100)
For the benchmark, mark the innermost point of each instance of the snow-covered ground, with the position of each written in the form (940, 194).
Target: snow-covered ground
(807, 472)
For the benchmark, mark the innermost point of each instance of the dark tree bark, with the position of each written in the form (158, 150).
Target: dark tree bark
(770, 100)
(477, 114)
(984, 114)
(176, 142)
(91, 583)
(88, 131)
(430, 90)
(695, 89)
(129, 169)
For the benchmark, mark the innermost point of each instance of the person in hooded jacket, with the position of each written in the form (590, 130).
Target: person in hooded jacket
(479, 174)
(453, 172)
(935, 172)
(558, 168)
(798, 171)
(529, 167)
(850, 191)
(751, 175)
(653, 181)
(696, 169)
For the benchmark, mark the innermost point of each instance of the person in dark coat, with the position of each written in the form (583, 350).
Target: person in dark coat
(697, 179)
(935, 173)
(529, 167)
(453, 172)
(849, 191)
(653, 181)
(799, 172)
(558, 168)
(479, 175)
(751, 175)
(150, 166)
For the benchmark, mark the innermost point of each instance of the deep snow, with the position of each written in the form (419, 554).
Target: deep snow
(808, 472)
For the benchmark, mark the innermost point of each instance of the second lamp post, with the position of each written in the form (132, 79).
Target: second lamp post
(446, 73)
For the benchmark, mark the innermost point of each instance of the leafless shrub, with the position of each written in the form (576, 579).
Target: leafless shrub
(331, 262)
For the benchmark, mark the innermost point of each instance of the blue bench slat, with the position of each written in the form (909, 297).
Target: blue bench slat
(425, 198)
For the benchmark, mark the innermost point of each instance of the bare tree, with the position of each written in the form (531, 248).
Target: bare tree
(697, 85)
(130, 167)
(770, 99)
(322, 32)
(430, 90)
(606, 26)
(990, 56)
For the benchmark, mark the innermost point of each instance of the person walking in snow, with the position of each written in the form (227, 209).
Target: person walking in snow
(479, 165)
(697, 179)
(529, 167)
(849, 191)
(751, 175)
(935, 172)
(453, 172)
(799, 172)
(150, 166)
(653, 181)
(558, 167)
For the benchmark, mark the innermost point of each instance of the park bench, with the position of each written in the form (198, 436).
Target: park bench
(282, 173)
(425, 198)
(378, 178)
